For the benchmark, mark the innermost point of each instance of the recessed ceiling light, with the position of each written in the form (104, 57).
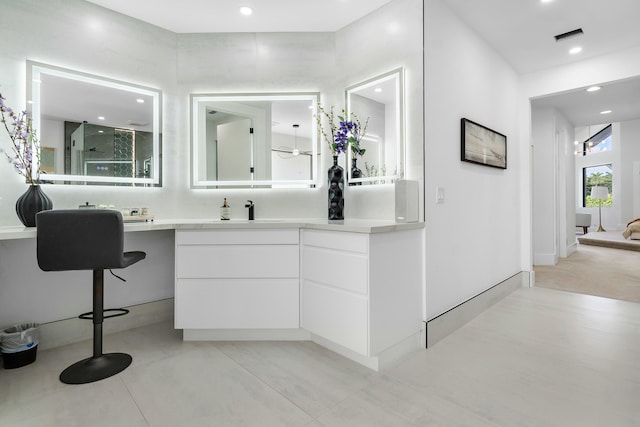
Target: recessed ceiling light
(575, 50)
(140, 101)
(100, 117)
(605, 112)
(245, 10)
(594, 89)
(546, 1)
(378, 89)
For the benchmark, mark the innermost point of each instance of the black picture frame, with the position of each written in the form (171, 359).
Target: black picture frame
(482, 146)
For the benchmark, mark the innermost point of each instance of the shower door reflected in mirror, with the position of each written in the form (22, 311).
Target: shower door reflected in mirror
(94, 150)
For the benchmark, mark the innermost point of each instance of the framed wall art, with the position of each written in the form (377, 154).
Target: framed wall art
(482, 145)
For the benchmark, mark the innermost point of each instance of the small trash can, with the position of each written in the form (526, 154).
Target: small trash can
(19, 345)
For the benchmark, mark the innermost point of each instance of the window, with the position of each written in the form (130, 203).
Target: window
(601, 175)
(597, 143)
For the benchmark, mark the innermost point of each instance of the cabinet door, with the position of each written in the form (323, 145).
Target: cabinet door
(237, 304)
(336, 259)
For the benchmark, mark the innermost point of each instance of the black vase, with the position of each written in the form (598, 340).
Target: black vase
(336, 188)
(30, 203)
(355, 171)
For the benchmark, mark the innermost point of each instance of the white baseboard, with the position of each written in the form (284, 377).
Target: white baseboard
(382, 361)
(245, 335)
(69, 331)
(389, 357)
(545, 259)
(441, 326)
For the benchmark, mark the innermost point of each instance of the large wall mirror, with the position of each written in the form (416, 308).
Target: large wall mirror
(380, 100)
(94, 130)
(254, 140)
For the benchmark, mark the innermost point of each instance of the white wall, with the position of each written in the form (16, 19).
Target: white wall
(544, 194)
(565, 134)
(473, 238)
(553, 186)
(30, 295)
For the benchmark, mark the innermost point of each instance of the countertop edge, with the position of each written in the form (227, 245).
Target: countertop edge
(353, 226)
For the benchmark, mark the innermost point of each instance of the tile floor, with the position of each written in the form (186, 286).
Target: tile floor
(539, 357)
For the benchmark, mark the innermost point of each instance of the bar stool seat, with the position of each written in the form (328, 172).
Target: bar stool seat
(87, 239)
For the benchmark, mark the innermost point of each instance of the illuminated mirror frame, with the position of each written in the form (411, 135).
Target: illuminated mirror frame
(198, 106)
(396, 77)
(36, 72)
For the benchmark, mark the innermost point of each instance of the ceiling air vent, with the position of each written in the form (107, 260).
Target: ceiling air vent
(568, 34)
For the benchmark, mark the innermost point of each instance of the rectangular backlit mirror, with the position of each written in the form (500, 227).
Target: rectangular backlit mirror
(379, 100)
(94, 130)
(254, 140)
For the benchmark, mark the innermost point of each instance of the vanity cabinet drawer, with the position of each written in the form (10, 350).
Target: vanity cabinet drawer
(237, 304)
(237, 261)
(344, 270)
(238, 237)
(348, 242)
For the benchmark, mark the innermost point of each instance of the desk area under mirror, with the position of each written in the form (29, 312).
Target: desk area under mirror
(94, 130)
(254, 140)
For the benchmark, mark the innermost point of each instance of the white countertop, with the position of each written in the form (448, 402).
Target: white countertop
(347, 225)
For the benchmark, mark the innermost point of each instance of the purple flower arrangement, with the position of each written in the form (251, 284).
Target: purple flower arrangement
(347, 133)
(351, 132)
(25, 144)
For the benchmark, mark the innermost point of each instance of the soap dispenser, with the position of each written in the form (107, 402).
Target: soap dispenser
(225, 211)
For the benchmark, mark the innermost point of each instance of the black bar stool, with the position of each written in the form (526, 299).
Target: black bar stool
(87, 239)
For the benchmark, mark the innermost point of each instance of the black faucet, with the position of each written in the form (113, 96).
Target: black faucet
(250, 206)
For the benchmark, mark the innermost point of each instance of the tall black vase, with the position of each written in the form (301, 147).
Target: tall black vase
(355, 171)
(30, 203)
(336, 189)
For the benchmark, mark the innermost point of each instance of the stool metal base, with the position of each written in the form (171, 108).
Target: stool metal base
(95, 368)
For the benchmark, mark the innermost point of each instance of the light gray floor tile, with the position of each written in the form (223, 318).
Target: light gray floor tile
(392, 402)
(309, 375)
(207, 388)
(105, 403)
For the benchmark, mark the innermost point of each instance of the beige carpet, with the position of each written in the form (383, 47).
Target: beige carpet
(595, 270)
